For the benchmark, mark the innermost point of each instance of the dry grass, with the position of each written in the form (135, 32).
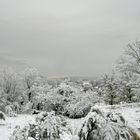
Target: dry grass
(135, 137)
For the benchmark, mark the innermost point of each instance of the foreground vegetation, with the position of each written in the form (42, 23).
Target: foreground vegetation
(101, 122)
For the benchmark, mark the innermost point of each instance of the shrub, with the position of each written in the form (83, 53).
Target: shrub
(48, 126)
(9, 111)
(100, 126)
(55, 102)
(77, 109)
(20, 134)
(80, 106)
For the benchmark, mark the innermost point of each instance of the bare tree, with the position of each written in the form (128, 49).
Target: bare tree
(129, 66)
(9, 84)
(130, 62)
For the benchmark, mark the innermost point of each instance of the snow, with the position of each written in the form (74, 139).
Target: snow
(11, 122)
(131, 112)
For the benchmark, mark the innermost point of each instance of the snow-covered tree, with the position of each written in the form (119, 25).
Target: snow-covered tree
(129, 83)
(30, 78)
(9, 85)
(57, 98)
(130, 61)
(39, 95)
(110, 88)
(129, 67)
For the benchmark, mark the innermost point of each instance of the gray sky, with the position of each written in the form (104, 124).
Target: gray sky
(67, 37)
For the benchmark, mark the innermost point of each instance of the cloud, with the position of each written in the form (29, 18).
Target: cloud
(17, 64)
(67, 37)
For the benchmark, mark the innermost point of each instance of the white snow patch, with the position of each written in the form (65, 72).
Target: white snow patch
(11, 122)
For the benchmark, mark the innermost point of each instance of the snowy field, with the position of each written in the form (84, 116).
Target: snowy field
(131, 113)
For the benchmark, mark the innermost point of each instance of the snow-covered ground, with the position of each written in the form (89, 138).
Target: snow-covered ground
(131, 113)
(7, 127)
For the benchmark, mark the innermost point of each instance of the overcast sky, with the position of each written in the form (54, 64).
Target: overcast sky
(67, 37)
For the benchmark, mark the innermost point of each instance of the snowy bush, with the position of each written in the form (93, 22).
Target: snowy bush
(58, 98)
(27, 108)
(20, 134)
(101, 126)
(70, 101)
(52, 126)
(48, 126)
(77, 109)
(54, 102)
(9, 111)
(87, 86)
(80, 106)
